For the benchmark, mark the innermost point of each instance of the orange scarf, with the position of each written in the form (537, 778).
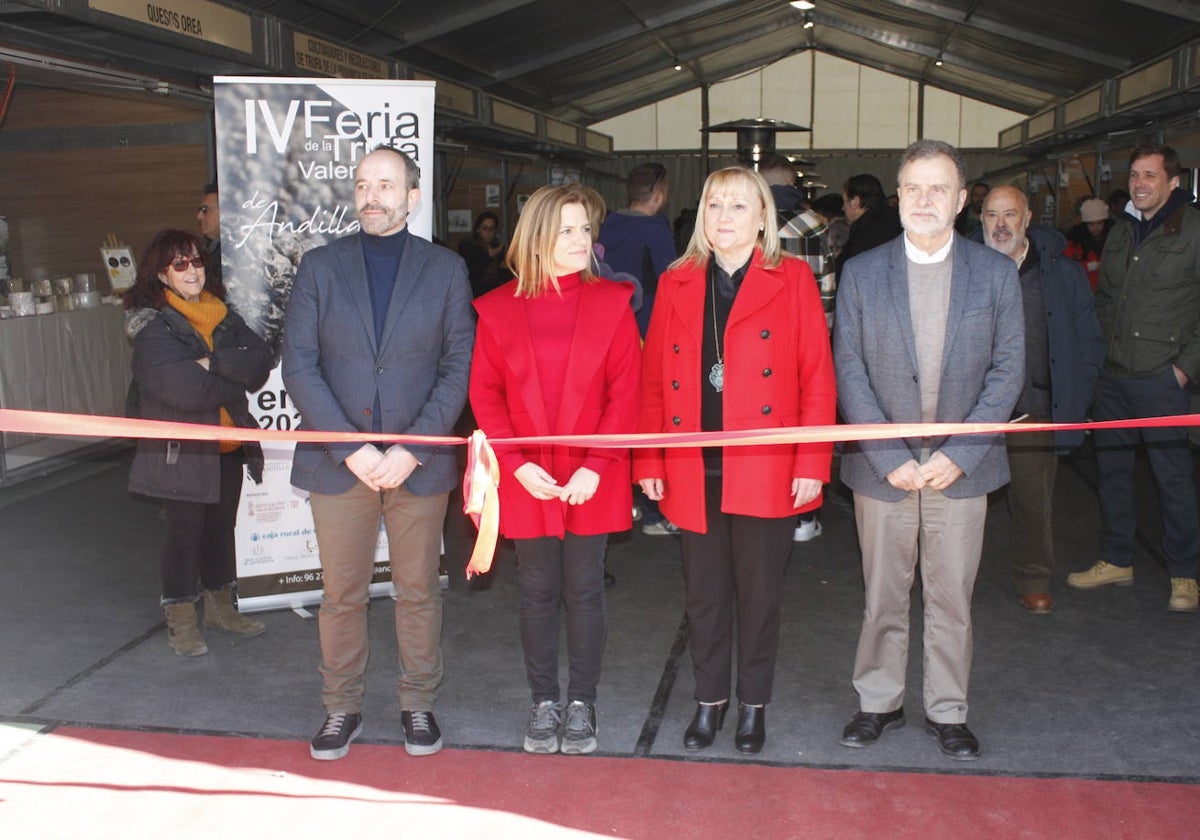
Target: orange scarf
(204, 315)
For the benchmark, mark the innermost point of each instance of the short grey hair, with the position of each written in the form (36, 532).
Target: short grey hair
(925, 149)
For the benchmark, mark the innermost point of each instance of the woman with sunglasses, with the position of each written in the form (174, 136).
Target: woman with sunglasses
(193, 362)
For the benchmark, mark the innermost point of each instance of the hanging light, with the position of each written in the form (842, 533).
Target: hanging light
(802, 5)
(808, 24)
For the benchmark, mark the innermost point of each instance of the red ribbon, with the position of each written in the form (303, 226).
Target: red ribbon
(482, 478)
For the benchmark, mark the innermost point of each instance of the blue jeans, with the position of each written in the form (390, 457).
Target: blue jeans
(1170, 457)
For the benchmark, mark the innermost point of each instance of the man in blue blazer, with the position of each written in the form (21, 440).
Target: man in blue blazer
(929, 329)
(378, 338)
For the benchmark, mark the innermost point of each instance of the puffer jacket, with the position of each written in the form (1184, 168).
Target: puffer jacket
(172, 387)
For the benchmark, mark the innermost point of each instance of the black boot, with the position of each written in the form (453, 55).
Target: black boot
(708, 719)
(752, 728)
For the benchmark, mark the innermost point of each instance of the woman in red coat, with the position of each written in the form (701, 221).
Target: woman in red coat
(557, 353)
(737, 340)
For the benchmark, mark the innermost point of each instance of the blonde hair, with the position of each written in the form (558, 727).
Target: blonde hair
(699, 248)
(531, 253)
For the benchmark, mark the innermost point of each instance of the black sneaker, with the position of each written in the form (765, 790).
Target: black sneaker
(333, 741)
(421, 733)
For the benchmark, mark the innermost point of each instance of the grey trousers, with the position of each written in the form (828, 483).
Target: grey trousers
(347, 528)
(946, 536)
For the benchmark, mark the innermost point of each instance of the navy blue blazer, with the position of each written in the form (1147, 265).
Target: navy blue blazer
(333, 367)
(875, 357)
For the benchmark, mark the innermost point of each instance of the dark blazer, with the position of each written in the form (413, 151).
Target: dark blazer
(333, 367)
(172, 387)
(983, 368)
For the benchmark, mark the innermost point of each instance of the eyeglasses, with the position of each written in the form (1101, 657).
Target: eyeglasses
(182, 263)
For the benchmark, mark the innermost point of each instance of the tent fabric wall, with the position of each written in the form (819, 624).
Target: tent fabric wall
(850, 106)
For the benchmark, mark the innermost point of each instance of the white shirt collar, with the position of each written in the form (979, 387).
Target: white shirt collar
(921, 258)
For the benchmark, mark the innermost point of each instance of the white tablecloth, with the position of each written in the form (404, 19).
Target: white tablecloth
(75, 362)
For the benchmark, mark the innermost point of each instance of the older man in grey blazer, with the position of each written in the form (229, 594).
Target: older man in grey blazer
(378, 338)
(929, 329)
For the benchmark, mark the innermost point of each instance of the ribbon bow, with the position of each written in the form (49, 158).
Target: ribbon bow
(481, 501)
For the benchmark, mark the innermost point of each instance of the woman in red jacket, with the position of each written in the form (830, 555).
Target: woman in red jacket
(556, 353)
(737, 340)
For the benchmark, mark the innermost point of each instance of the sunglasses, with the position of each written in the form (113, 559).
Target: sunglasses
(182, 263)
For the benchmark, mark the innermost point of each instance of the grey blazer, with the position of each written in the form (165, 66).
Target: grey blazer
(333, 367)
(983, 366)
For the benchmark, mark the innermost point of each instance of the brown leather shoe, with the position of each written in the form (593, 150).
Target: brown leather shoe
(1038, 603)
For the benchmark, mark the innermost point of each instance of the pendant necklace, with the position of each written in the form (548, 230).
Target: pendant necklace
(716, 375)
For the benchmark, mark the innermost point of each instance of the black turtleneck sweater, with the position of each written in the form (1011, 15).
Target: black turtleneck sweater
(383, 255)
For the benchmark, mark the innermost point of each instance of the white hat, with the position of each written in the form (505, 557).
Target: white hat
(1094, 210)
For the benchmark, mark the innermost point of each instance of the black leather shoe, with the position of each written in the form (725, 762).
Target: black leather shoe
(865, 728)
(752, 728)
(954, 740)
(708, 719)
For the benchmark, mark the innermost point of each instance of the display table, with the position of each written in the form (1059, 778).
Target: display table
(74, 362)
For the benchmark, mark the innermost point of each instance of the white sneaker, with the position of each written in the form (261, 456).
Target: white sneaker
(808, 531)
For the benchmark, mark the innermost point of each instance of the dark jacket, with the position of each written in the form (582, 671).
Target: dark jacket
(638, 244)
(484, 271)
(878, 225)
(1148, 297)
(1074, 339)
(173, 387)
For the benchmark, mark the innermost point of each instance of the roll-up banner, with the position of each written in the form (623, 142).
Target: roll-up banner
(287, 150)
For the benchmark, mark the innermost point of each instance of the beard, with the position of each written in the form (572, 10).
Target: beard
(391, 220)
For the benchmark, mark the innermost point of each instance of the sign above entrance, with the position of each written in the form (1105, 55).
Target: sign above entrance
(194, 18)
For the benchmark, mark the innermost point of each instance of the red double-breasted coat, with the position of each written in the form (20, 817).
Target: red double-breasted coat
(600, 396)
(778, 372)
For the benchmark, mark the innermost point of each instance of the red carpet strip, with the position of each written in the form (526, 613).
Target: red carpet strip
(75, 782)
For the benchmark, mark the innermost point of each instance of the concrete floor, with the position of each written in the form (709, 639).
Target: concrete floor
(1106, 687)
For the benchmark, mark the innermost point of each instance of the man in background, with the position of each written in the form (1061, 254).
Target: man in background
(802, 232)
(208, 219)
(1064, 350)
(1149, 308)
(968, 220)
(872, 221)
(638, 240)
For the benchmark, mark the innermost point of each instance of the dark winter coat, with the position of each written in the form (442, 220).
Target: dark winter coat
(172, 387)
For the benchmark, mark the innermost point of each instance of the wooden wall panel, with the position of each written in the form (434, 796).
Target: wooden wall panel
(61, 205)
(33, 108)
